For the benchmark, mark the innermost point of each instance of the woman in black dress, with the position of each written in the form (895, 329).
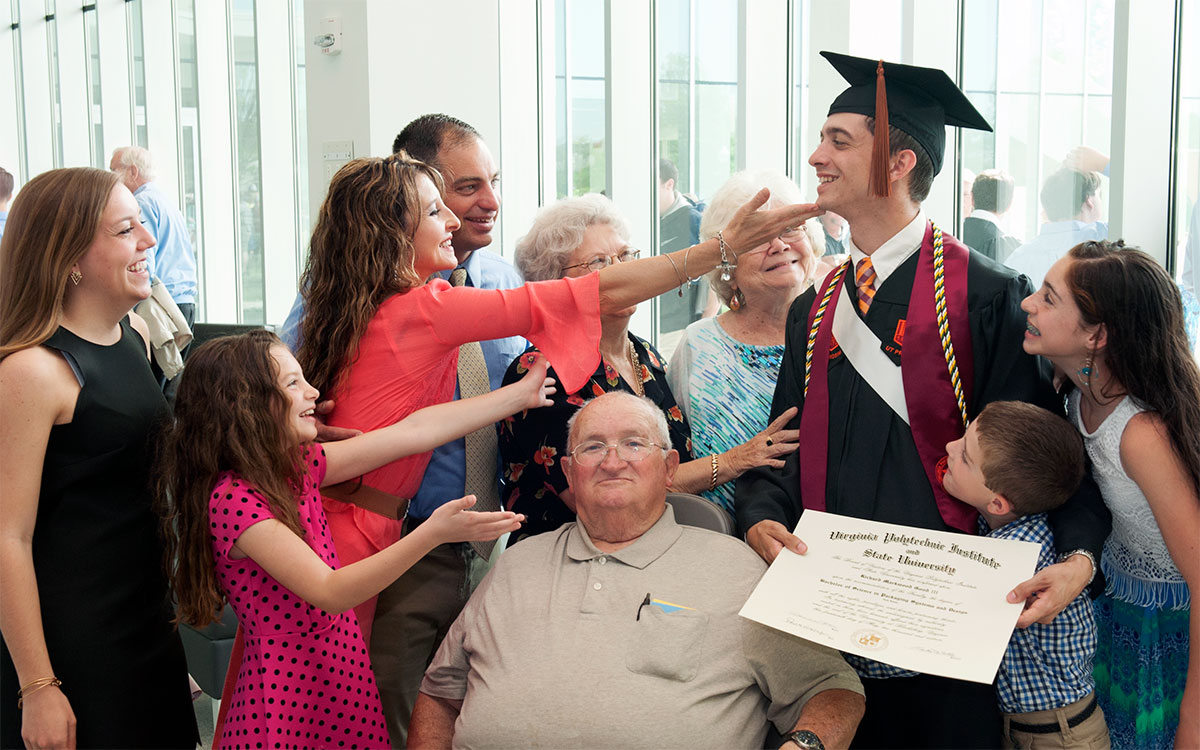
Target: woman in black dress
(84, 605)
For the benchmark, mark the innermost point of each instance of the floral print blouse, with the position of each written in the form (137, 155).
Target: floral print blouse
(533, 442)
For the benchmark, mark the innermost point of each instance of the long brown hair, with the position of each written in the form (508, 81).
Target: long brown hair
(52, 224)
(361, 254)
(230, 415)
(1146, 347)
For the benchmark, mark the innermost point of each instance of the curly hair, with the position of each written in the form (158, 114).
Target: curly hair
(52, 224)
(361, 254)
(1146, 348)
(230, 416)
(558, 229)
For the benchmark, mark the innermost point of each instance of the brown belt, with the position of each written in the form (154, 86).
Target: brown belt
(367, 497)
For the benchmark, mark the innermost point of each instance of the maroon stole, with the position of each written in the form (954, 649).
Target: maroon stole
(933, 412)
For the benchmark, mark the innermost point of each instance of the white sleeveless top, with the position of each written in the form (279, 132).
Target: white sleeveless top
(1136, 562)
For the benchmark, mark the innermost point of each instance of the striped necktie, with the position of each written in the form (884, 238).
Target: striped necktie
(864, 279)
(481, 444)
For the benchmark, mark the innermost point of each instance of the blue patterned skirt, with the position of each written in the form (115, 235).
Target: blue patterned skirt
(1141, 668)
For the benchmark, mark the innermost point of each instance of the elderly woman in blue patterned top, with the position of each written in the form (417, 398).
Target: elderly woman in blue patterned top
(724, 369)
(575, 237)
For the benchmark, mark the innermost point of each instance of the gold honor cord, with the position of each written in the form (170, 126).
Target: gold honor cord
(816, 324)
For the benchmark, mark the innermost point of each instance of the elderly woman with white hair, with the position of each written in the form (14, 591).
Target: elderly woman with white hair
(575, 237)
(724, 369)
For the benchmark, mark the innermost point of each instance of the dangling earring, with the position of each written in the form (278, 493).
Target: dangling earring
(737, 300)
(1088, 369)
(75, 277)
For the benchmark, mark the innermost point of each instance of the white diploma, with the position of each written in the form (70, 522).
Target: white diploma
(928, 601)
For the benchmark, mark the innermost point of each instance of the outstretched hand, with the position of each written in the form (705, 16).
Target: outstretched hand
(456, 522)
(537, 387)
(765, 448)
(769, 538)
(328, 433)
(1051, 590)
(751, 227)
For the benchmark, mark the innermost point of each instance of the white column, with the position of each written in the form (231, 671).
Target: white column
(632, 161)
(162, 101)
(35, 67)
(931, 28)
(73, 83)
(1141, 125)
(116, 96)
(276, 115)
(762, 83)
(520, 122)
(214, 56)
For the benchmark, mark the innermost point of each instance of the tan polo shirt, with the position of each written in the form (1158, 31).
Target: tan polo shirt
(556, 649)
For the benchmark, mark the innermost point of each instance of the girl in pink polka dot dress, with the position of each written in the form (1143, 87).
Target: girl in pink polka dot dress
(240, 478)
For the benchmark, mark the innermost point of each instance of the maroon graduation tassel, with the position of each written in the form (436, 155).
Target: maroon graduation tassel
(882, 152)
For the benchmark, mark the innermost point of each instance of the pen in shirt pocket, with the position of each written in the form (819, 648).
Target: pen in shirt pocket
(662, 604)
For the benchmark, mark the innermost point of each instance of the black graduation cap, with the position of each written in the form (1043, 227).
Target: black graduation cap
(918, 101)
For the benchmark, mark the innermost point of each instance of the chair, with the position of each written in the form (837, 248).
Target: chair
(208, 649)
(693, 510)
(202, 332)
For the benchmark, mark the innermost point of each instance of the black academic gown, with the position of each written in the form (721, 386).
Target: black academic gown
(874, 472)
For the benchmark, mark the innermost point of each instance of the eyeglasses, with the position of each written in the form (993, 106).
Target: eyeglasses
(791, 234)
(601, 262)
(631, 449)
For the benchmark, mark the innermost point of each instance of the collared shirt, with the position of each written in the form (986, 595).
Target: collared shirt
(1046, 666)
(1035, 257)
(986, 215)
(445, 477)
(891, 254)
(172, 259)
(559, 639)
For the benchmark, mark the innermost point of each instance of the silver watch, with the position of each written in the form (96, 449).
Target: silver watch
(807, 740)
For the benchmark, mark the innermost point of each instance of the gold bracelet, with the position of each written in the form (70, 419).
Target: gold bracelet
(34, 686)
(715, 464)
(677, 276)
(687, 254)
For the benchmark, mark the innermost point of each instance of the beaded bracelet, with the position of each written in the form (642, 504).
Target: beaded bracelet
(715, 463)
(725, 266)
(35, 685)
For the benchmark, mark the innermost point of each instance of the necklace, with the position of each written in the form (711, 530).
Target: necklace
(637, 370)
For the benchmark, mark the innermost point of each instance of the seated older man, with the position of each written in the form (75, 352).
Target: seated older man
(622, 630)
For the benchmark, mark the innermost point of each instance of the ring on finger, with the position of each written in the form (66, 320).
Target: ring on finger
(770, 442)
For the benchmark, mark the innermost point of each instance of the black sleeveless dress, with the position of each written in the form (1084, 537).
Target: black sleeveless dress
(106, 610)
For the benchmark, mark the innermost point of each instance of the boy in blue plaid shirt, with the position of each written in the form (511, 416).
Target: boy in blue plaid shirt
(1016, 462)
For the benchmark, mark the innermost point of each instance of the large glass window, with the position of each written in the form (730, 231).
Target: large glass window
(579, 85)
(300, 144)
(137, 69)
(91, 43)
(189, 123)
(697, 77)
(55, 87)
(1041, 72)
(18, 75)
(249, 165)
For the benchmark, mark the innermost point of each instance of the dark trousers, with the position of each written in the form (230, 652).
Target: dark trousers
(928, 712)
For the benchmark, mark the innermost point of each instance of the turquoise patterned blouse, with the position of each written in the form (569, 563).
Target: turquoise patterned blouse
(724, 388)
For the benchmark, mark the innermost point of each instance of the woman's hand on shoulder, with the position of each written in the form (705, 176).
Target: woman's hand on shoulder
(767, 447)
(751, 227)
(456, 522)
(535, 387)
(47, 720)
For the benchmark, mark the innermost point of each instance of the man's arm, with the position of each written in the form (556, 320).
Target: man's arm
(432, 723)
(833, 715)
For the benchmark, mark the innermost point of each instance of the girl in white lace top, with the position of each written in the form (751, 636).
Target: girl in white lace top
(1111, 320)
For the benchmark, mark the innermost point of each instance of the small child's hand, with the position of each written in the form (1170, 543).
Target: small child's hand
(536, 385)
(455, 522)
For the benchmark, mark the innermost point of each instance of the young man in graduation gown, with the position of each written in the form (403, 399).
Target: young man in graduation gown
(873, 431)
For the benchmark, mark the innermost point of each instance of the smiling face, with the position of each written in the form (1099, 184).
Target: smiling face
(433, 250)
(617, 493)
(472, 192)
(600, 241)
(301, 397)
(773, 271)
(115, 263)
(843, 162)
(1054, 328)
(964, 476)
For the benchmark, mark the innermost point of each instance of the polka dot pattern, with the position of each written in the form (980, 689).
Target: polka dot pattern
(305, 679)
